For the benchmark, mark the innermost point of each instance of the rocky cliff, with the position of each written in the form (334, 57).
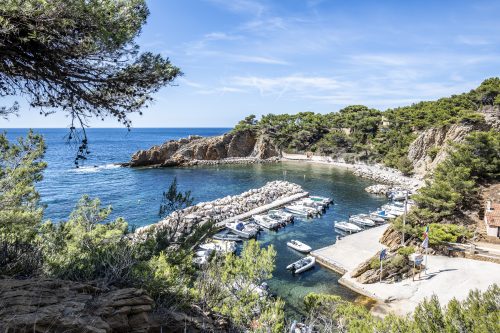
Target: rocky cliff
(431, 146)
(195, 149)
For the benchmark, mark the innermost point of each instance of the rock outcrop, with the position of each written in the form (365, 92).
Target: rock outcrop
(195, 149)
(431, 147)
(50, 305)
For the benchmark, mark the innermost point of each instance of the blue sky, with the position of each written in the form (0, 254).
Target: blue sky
(255, 56)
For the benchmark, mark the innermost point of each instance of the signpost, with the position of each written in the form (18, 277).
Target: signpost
(383, 254)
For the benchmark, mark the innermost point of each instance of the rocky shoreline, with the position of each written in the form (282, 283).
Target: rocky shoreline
(221, 209)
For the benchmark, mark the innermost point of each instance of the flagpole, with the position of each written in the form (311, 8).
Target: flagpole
(381, 270)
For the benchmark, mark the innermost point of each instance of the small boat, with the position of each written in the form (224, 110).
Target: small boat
(312, 210)
(279, 214)
(200, 261)
(362, 221)
(220, 246)
(299, 246)
(394, 210)
(203, 253)
(324, 200)
(226, 235)
(243, 229)
(296, 210)
(302, 265)
(383, 214)
(300, 328)
(318, 206)
(347, 227)
(374, 218)
(266, 222)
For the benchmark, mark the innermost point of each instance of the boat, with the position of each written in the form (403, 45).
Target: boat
(383, 214)
(220, 246)
(324, 200)
(242, 229)
(279, 214)
(300, 328)
(302, 265)
(374, 218)
(266, 222)
(360, 220)
(318, 206)
(203, 253)
(398, 195)
(200, 261)
(299, 246)
(226, 235)
(347, 227)
(394, 210)
(311, 210)
(298, 210)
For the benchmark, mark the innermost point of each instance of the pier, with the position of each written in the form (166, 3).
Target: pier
(262, 209)
(447, 277)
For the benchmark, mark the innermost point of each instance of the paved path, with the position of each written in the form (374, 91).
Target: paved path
(446, 277)
(263, 209)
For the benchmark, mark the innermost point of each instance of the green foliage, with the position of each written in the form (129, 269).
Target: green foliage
(479, 313)
(230, 286)
(406, 251)
(432, 153)
(247, 124)
(454, 186)
(84, 247)
(21, 166)
(167, 278)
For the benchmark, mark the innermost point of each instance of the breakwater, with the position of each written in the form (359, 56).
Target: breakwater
(228, 207)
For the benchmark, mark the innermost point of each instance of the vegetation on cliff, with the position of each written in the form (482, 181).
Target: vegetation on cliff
(363, 133)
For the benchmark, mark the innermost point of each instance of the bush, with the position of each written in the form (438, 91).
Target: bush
(84, 248)
(432, 152)
(406, 251)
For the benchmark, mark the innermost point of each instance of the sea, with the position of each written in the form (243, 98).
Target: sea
(135, 194)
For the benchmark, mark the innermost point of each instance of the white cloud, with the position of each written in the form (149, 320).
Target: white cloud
(473, 40)
(257, 59)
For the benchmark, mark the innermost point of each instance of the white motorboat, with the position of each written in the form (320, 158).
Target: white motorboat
(302, 265)
(374, 218)
(226, 235)
(203, 253)
(383, 214)
(299, 246)
(279, 214)
(266, 222)
(220, 246)
(347, 227)
(243, 229)
(326, 201)
(362, 221)
(318, 206)
(312, 210)
(298, 210)
(394, 210)
(200, 261)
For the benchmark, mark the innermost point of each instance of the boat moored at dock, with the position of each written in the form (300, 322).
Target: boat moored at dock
(243, 229)
(302, 265)
(347, 227)
(299, 246)
(266, 221)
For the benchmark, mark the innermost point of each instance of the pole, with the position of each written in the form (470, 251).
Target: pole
(404, 219)
(381, 260)
(414, 267)
(426, 249)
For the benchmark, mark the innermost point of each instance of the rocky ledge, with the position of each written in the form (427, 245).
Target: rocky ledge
(232, 147)
(223, 208)
(387, 175)
(50, 305)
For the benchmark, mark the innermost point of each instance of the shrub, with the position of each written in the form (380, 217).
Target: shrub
(432, 152)
(406, 251)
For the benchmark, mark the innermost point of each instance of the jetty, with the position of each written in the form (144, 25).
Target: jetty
(446, 277)
(230, 208)
(262, 209)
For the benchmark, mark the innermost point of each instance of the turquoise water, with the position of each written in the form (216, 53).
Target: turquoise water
(135, 194)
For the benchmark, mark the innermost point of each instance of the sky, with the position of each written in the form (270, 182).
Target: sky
(242, 57)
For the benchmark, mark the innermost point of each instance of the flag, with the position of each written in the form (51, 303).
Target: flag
(425, 243)
(383, 254)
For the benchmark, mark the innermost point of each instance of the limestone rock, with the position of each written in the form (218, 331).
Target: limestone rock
(51, 305)
(195, 150)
